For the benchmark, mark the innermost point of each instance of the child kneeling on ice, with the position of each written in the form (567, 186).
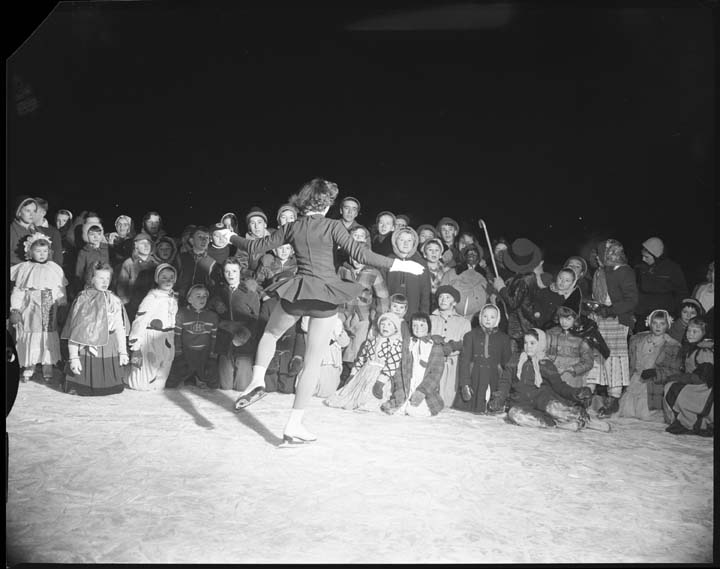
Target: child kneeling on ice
(416, 385)
(536, 394)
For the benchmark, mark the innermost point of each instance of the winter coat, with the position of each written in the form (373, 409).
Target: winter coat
(55, 240)
(270, 265)
(692, 355)
(565, 347)
(546, 302)
(661, 285)
(524, 391)
(195, 269)
(88, 256)
(382, 244)
(373, 300)
(479, 352)
(517, 296)
(400, 385)
(623, 293)
(668, 363)
(415, 288)
(240, 305)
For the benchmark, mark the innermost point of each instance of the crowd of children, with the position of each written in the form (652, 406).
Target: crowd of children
(483, 329)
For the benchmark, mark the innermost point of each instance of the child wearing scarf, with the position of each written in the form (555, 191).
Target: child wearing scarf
(39, 289)
(485, 353)
(369, 382)
(96, 331)
(152, 335)
(535, 393)
(654, 357)
(416, 385)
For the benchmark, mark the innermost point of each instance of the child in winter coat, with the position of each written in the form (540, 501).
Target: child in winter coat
(689, 309)
(450, 328)
(98, 354)
(94, 251)
(690, 407)
(432, 251)
(136, 275)
(165, 251)
(547, 300)
(195, 333)
(374, 368)
(331, 367)
(220, 248)
(485, 353)
(280, 260)
(381, 242)
(415, 386)
(700, 348)
(120, 241)
(196, 266)
(39, 289)
(654, 357)
(152, 335)
(583, 280)
(571, 354)
(416, 288)
(535, 393)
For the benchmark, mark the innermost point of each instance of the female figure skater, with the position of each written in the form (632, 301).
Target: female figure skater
(315, 291)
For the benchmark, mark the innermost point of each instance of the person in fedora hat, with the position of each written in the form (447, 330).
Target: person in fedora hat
(524, 259)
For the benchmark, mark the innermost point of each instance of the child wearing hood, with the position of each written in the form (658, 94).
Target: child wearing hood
(230, 221)
(98, 354)
(152, 334)
(39, 289)
(195, 331)
(120, 241)
(485, 353)
(416, 384)
(689, 309)
(450, 328)
(21, 227)
(379, 358)
(531, 387)
(415, 288)
(165, 250)
(94, 251)
(654, 357)
(580, 268)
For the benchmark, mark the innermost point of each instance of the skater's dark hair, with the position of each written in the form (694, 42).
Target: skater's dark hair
(315, 195)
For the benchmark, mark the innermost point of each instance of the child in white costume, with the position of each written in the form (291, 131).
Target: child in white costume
(152, 335)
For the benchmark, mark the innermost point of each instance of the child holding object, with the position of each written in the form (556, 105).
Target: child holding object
(39, 289)
(98, 352)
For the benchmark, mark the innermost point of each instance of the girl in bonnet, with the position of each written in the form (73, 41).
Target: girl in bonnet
(39, 289)
(152, 335)
(654, 357)
(98, 352)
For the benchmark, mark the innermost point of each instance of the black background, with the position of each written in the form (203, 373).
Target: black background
(550, 121)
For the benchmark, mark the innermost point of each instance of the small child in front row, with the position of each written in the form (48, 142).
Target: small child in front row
(485, 353)
(331, 366)
(39, 289)
(195, 333)
(376, 364)
(98, 353)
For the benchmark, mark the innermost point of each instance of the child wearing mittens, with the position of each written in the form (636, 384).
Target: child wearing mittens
(485, 353)
(98, 352)
(152, 335)
(39, 289)
(374, 368)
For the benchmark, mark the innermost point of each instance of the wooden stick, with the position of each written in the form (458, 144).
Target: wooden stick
(482, 224)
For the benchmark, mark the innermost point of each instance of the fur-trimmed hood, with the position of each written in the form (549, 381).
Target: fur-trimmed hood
(395, 236)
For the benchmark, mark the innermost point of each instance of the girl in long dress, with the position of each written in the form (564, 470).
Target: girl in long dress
(39, 289)
(315, 291)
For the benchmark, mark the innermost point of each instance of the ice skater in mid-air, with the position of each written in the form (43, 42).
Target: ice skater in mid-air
(315, 291)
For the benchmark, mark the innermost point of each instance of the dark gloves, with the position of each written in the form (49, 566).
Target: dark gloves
(648, 374)
(378, 389)
(136, 359)
(295, 365)
(606, 311)
(496, 403)
(416, 398)
(466, 393)
(583, 394)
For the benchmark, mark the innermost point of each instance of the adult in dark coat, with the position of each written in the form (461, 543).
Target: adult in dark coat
(315, 291)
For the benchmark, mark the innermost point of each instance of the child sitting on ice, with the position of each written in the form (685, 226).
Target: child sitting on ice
(39, 289)
(97, 353)
(152, 335)
(416, 385)
(195, 331)
(369, 382)
(654, 357)
(485, 353)
(571, 354)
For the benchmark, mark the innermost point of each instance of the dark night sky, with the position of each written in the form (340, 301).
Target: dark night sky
(528, 116)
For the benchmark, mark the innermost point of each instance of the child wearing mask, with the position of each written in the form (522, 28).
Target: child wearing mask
(152, 334)
(654, 357)
(39, 289)
(415, 386)
(376, 364)
(195, 333)
(98, 354)
(485, 353)
(450, 329)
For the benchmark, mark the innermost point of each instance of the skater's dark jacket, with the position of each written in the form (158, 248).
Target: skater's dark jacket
(523, 391)
(430, 385)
